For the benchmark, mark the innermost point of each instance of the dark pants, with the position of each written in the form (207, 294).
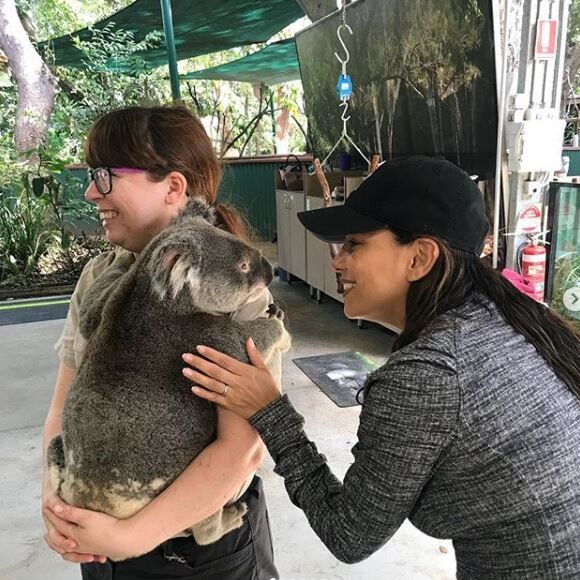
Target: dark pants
(242, 554)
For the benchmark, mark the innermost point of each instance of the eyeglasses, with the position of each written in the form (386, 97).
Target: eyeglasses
(102, 177)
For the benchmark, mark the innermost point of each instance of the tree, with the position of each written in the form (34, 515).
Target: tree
(35, 83)
(386, 59)
(230, 111)
(439, 62)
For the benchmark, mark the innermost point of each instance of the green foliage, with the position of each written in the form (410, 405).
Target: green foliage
(52, 18)
(115, 50)
(48, 18)
(115, 75)
(42, 209)
(443, 42)
(26, 231)
(240, 113)
(40, 212)
(567, 275)
(230, 109)
(85, 93)
(93, 90)
(574, 23)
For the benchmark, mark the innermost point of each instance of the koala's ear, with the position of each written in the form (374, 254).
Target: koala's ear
(196, 207)
(169, 259)
(171, 268)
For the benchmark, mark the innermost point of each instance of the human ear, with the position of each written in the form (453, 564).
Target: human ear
(425, 254)
(177, 191)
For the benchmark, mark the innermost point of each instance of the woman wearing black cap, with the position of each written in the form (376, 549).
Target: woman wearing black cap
(472, 427)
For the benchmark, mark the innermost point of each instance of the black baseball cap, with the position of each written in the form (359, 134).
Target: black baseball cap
(419, 195)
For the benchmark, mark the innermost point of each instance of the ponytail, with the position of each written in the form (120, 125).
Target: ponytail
(228, 219)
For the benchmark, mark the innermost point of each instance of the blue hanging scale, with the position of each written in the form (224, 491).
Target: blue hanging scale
(344, 87)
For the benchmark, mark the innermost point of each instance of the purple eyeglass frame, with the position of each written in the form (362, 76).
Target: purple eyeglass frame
(126, 169)
(110, 172)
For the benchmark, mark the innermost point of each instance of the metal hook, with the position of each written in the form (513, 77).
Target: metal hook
(344, 104)
(343, 61)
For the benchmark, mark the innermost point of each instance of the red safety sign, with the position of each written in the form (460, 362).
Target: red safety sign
(546, 36)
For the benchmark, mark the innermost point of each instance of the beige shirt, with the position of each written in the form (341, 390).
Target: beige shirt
(70, 347)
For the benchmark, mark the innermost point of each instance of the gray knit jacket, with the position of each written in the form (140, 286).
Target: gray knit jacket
(469, 434)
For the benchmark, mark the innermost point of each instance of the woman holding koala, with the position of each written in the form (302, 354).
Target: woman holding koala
(145, 162)
(471, 429)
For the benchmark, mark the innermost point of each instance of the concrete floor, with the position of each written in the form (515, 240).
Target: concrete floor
(27, 372)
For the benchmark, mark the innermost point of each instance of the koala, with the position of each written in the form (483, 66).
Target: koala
(130, 423)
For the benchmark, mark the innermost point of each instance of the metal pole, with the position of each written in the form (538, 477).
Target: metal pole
(273, 119)
(170, 44)
(500, 136)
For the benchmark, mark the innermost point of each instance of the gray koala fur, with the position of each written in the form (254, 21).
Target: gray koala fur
(130, 423)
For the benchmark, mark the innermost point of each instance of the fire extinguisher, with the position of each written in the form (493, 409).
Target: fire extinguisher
(533, 267)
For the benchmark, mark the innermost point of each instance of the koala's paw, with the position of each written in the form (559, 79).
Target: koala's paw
(219, 524)
(275, 312)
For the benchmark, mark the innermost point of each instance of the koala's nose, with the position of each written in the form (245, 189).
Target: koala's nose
(267, 269)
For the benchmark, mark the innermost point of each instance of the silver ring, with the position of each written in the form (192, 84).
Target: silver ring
(226, 387)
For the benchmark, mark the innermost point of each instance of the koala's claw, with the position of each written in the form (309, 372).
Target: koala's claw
(275, 312)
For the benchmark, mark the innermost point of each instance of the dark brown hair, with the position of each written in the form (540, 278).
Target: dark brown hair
(458, 276)
(161, 140)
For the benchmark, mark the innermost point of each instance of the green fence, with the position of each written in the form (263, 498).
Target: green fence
(250, 188)
(574, 155)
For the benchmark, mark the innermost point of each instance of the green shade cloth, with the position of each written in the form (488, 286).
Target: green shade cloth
(201, 27)
(276, 63)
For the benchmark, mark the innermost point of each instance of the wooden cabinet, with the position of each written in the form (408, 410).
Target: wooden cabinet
(319, 272)
(291, 233)
(316, 251)
(299, 252)
(283, 229)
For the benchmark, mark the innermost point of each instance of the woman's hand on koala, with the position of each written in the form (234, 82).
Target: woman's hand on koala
(59, 543)
(242, 388)
(96, 533)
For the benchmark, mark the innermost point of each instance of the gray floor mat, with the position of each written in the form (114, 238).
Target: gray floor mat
(339, 375)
